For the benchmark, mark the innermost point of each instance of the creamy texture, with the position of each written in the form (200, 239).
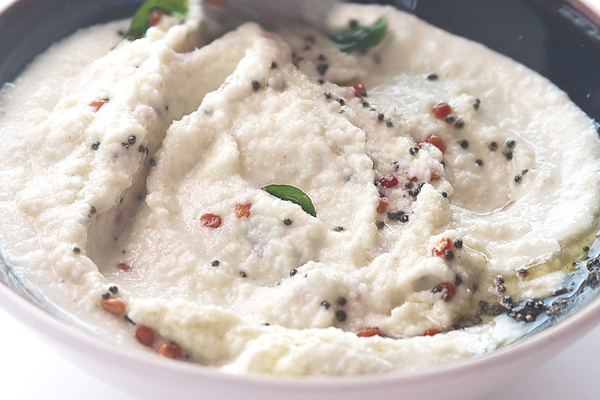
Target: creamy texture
(114, 152)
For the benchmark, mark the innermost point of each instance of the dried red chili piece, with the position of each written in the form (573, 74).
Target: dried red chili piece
(170, 350)
(437, 142)
(145, 335)
(97, 104)
(359, 90)
(382, 205)
(447, 287)
(125, 267)
(211, 220)
(441, 110)
(441, 247)
(388, 181)
(507, 205)
(369, 332)
(242, 210)
(113, 305)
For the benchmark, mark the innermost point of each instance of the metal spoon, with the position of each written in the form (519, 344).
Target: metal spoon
(228, 14)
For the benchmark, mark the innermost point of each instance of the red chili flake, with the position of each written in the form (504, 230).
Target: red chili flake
(388, 181)
(242, 210)
(441, 110)
(434, 176)
(437, 142)
(124, 267)
(369, 332)
(508, 205)
(113, 305)
(155, 17)
(441, 246)
(118, 218)
(97, 104)
(170, 350)
(447, 287)
(145, 335)
(431, 332)
(211, 220)
(382, 206)
(359, 90)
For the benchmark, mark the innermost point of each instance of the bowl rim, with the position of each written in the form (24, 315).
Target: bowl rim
(562, 333)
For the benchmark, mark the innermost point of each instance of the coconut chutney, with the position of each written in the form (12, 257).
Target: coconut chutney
(270, 203)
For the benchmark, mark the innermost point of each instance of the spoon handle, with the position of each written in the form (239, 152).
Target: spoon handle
(270, 13)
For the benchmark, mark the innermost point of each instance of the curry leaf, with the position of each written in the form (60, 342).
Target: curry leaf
(293, 194)
(141, 19)
(361, 37)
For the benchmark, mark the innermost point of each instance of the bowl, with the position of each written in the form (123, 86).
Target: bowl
(556, 38)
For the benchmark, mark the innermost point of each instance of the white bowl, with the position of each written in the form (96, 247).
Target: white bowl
(151, 377)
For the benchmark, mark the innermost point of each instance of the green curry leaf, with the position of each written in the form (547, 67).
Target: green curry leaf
(141, 19)
(361, 37)
(293, 194)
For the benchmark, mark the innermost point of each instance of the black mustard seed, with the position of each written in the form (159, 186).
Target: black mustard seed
(322, 68)
(340, 315)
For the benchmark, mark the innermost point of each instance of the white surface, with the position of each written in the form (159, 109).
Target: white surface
(30, 370)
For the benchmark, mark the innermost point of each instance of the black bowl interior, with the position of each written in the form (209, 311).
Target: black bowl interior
(42, 22)
(548, 36)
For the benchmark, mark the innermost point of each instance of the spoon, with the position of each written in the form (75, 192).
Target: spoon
(229, 14)
(226, 15)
